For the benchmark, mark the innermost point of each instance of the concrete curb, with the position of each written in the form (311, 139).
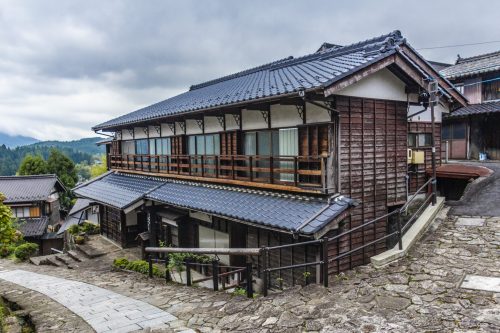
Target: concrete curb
(411, 237)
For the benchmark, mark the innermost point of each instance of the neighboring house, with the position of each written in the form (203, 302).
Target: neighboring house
(82, 211)
(473, 129)
(34, 201)
(297, 149)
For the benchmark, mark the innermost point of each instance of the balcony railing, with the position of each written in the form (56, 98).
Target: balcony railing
(297, 171)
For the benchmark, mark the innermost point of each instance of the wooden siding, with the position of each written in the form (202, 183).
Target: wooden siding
(419, 178)
(373, 170)
(112, 223)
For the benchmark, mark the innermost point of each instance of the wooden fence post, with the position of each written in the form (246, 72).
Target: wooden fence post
(324, 258)
(150, 263)
(249, 277)
(188, 273)
(215, 274)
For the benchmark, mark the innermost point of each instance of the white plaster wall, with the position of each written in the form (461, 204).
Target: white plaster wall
(212, 125)
(284, 116)
(231, 123)
(252, 120)
(381, 85)
(426, 116)
(131, 218)
(126, 135)
(166, 131)
(315, 114)
(153, 133)
(139, 133)
(192, 127)
(178, 129)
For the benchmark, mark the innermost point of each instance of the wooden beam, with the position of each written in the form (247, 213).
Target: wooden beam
(359, 75)
(422, 64)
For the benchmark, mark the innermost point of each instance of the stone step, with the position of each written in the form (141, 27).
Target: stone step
(74, 255)
(90, 251)
(45, 260)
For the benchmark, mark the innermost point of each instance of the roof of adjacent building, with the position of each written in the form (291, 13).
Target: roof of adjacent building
(32, 227)
(18, 189)
(479, 64)
(80, 204)
(279, 78)
(476, 109)
(291, 213)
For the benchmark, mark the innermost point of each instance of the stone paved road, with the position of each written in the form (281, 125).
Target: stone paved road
(104, 310)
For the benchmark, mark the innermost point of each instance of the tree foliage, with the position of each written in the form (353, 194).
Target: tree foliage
(8, 233)
(99, 169)
(32, 165)
(62, 166)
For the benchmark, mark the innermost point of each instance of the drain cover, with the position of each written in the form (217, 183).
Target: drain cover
(484, 283)
(469, 222)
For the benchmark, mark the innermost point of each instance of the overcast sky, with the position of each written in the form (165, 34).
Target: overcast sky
(68, 65)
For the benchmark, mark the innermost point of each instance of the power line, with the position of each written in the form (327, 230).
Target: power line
(471, 84)
(458, 45)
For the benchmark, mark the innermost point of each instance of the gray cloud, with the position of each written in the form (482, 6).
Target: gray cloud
(67, 65)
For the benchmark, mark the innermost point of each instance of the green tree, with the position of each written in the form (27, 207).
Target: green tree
(8, 233)
(62, 166)
(98, 169)
(32, 165)
(83, 171)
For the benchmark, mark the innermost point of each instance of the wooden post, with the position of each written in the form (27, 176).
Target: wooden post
(250, 172)
(150, 262)
(324, 258)
(167, 272)
(232, 167)
(400, 236)
(188, 272)
(215, 274)
(434, 180)
(271, 169)
(249, 277)
(264, 272)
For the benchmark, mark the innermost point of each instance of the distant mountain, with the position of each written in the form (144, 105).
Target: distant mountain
(87, 145)
(13, 141)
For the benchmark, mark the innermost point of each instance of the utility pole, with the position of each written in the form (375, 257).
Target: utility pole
(433, 90)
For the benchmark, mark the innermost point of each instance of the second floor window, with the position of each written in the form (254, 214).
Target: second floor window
(491, 91)
(419, 140)
(141, 147)
(26, 211)
(208, 144)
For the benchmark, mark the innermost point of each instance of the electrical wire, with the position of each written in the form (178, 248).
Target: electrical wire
(471, 84)
(457, 45)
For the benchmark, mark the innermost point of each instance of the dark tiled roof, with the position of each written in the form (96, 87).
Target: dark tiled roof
(117, 190)
(484, 108)
(263, 208)
(301, 214)
(28, 188)
(281, 77)
(33, 227)
(472, 66)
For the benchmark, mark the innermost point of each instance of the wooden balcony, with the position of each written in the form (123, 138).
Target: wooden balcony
(304, 173)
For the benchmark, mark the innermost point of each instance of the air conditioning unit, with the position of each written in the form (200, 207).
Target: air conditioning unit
(418, 157)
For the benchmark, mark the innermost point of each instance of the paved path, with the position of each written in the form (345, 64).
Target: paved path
(102, 309)
(482, 198)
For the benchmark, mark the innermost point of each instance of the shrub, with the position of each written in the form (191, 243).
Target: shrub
(74, 229)
(6, 250)
(90, 228)
(79, 240)
(120, 262)
(26, 250)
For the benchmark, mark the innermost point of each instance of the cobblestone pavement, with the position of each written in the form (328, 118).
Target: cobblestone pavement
(420, 293)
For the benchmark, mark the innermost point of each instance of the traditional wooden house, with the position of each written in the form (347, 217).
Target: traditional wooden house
(472, 130)
(297, 149)
(34, 201)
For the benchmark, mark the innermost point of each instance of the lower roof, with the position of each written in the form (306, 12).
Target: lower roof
(32, 227)
(291, 213)
(474, 109)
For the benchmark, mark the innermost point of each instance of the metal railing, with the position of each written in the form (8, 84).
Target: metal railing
(227, 276)
(299, 171)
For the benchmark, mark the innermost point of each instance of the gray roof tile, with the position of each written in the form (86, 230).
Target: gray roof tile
(472, 66)
(277, 78)
(28, 188)
(298, 214)
(473, 109)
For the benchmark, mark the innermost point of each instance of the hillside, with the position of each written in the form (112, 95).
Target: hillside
(87, 145)
(13, 141)
(79, 151)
